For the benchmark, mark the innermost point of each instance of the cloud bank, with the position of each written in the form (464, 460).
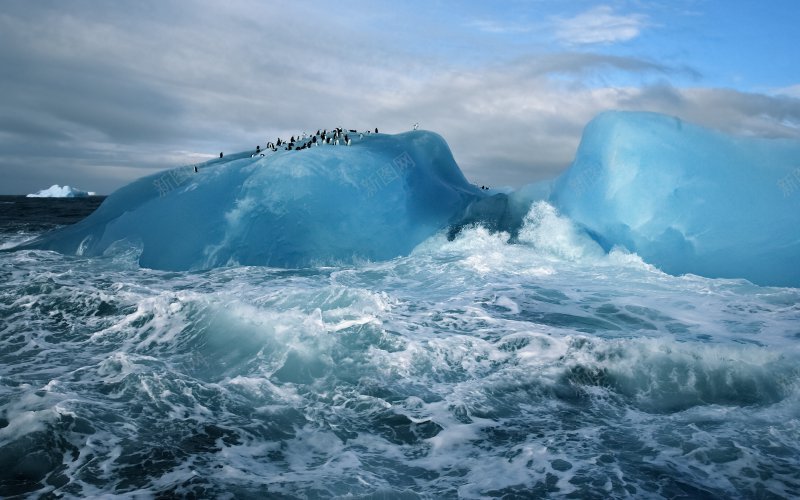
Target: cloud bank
(100, 93)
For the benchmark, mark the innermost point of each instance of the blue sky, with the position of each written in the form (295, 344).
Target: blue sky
(741, 44)
(98, 93)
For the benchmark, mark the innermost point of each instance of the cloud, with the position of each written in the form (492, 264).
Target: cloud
(600, 25)
(791, 91)
(100, 93)
(512, 125)
(498, 28)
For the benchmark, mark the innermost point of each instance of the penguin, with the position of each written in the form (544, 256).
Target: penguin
(353, 131)
(416, 126)
(258, 148)
(376, 130)
(220, 155)
(347, 141)
(195, 169)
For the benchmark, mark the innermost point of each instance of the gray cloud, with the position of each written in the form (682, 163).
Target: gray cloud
(100, 93)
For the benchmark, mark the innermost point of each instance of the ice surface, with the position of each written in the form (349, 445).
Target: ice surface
(688, 199)
(56, 191)
(375, 200)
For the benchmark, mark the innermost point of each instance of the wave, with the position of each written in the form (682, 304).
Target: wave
(482, 365)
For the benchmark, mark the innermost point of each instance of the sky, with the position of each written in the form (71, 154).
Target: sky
(95, 94)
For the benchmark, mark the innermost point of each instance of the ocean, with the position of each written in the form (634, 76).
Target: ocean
(471, 368)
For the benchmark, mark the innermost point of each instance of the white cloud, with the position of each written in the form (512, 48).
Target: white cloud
(600, 25)
(791, 91)
(495, 27)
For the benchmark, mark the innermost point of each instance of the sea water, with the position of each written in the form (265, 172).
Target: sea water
(473, 367)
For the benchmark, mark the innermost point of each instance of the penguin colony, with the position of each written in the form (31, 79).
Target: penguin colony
(335, 137)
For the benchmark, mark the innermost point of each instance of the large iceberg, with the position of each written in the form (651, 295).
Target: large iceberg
(688, 199)
(56, 191)
(373, 200)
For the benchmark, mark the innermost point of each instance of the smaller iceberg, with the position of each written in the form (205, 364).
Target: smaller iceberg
(688, 199)
(56, 191)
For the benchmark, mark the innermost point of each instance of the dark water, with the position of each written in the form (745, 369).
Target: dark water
(22, 214)
(473, 368)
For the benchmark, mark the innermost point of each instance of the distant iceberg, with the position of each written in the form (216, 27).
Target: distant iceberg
(56, 191)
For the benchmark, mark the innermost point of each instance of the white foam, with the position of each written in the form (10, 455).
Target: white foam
(552, 234)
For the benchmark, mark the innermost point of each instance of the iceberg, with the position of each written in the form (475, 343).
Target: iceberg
(373, 200)
(56, 191)
(687, 199)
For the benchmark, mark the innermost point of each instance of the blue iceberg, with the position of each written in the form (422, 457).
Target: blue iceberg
(373, 200)
(688, 199)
